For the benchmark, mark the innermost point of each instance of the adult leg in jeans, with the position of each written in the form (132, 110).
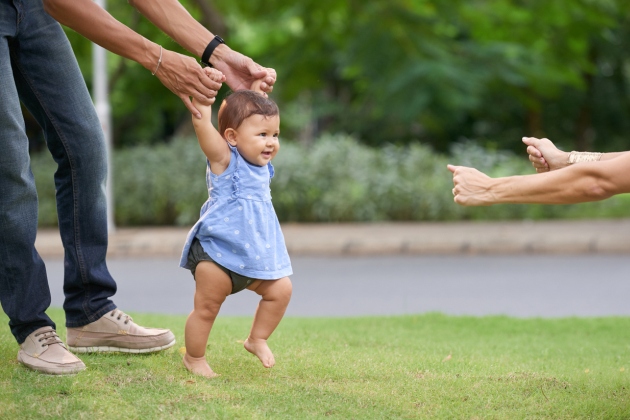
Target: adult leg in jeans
(24, 291)
(50, 84)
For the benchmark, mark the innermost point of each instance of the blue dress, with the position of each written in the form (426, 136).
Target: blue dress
(238, 227)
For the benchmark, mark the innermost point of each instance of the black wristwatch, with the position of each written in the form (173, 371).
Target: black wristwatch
(205, 57)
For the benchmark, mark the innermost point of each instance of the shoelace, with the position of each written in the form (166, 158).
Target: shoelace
(48, 337)
(120, 315)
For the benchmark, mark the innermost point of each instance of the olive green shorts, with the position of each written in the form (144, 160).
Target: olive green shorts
(196, 254)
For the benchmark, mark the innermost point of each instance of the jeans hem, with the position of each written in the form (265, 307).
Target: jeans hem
(22, 337)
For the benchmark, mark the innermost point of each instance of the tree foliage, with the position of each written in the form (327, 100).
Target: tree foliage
(402, 70)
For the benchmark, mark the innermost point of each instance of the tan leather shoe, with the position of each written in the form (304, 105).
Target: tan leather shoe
(44, 351)
(116, 331)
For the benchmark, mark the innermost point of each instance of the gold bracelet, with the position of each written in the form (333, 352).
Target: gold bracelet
(579, 157)
(159, 62)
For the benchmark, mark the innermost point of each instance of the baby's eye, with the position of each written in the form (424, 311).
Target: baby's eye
(263, 134)
(276, 135)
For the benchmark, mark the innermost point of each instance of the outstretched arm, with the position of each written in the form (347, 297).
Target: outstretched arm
(257, 86)
(180, 74)
(211, 142)
(171, 17)
(545, 156)
(591, 181)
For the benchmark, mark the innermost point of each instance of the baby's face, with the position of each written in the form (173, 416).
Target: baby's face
(257, 138)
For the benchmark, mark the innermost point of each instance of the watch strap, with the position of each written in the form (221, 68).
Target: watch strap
(207, 53)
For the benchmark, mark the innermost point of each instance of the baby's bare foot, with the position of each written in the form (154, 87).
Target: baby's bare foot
(198, 366)
(260, 349)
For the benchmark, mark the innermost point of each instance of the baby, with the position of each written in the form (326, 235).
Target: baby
(237, 243)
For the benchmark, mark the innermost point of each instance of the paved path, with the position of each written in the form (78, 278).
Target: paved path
(517, 285)
(554, 268)
(557, 237)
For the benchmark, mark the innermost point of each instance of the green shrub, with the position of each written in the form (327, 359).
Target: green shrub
(159, 185)
(335, 180)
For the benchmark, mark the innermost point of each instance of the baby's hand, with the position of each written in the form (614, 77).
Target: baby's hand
(216, 76)
(256, 86)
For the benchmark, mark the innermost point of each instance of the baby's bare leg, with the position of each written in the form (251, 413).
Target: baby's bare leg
(212, 287)
(275, 299)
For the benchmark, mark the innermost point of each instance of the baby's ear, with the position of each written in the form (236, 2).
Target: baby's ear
(230, 136)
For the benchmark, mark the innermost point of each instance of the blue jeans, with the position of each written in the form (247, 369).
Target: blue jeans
(38, 68)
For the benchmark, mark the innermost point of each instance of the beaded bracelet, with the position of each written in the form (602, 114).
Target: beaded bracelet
(578, 157)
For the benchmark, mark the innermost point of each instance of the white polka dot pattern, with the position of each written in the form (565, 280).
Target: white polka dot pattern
(239, 225)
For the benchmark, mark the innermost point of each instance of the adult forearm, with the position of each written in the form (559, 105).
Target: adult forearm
(612, 155)
(575, 184)
(172, 18)
(572, 158)
(94, 23)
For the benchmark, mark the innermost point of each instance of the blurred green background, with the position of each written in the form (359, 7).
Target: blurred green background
(375, 98)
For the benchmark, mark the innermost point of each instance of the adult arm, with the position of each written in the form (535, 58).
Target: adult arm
(592, 181)
(180, 74)
(172, 18)
(545, 156)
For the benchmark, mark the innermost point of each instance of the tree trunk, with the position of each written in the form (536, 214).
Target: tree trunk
(211, 18)
(584, 132)
(534, 122)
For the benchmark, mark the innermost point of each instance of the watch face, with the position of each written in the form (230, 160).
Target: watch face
(218, 38)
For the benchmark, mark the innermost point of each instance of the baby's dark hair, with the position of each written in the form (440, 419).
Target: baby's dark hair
(243, 104)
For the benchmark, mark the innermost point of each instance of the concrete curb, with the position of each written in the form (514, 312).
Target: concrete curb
(545, 237)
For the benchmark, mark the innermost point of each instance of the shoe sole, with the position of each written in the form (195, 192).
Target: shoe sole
(109, 349)
(58, 371)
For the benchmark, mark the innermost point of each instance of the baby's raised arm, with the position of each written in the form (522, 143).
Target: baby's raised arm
(256, 87)
(212, 143)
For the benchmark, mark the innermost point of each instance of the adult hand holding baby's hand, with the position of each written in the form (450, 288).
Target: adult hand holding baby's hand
(217, 78)
(256, 87)
(264, 86)
(241, 72)
(205, 109)
(184, 77)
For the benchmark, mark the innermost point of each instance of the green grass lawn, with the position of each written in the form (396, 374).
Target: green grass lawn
(425, 366)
